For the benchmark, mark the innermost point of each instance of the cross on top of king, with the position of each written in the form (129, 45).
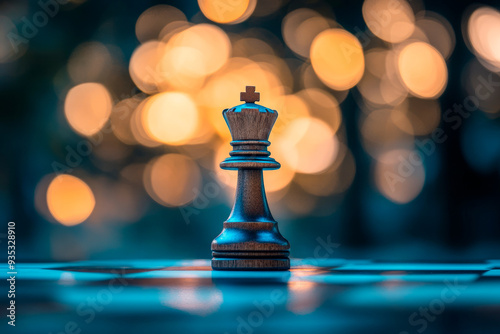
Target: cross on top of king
(250, 96)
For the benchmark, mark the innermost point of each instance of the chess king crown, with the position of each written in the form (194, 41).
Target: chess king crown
(250, 239)
(250, 125)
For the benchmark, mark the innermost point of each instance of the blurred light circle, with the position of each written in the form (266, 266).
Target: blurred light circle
(120, 119)
(170, 118)
(438, 31)
(227, 11)
(484, 34)
(212, 43)
(87, 107)
(145, 68)
(228, 179)
(172, 179)
(422, 70)
(392, 21)
(292, 107)
(137, 126)
(172, 29)
(322, 105)
(337, 58)
(276, 67)
(380, 91)
(334, 180)
(309, 79)
(310, 145)
(154, 19)
(277, 180)
(70, 200)
(300, 27)
(185, 68)
(400, 175)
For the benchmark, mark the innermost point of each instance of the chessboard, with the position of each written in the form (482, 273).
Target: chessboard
(314, 296)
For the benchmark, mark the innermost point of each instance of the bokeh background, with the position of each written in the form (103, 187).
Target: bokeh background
(388, 130)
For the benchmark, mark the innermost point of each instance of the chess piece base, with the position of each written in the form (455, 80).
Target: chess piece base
(250, 246)
(250, 264)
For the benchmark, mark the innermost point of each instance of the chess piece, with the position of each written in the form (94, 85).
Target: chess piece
(250, 239)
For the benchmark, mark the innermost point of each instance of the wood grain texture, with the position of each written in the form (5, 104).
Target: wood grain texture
(250, 239)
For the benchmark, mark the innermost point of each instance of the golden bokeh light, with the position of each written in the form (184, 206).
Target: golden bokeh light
(438, 31)
(422, 70)
(211, 41)
(227, 11)
(334, 180)
(151, 22)
(184, 68)
(87, 107)
(227, 178)
(172, 179)
(380, 91)
(310, 145)
(277, 68)
(277, 180)
(190, 71)
(399, 175)
(172, 29)
(120, 119)
(170, 118)
(483, 32)
(137, 126)
(70, 200)
(337, 58)
(290, 108)
(392, 21)
(300, 27)
(322, 105)
(309, 79)
(379, 85)
(144, 67)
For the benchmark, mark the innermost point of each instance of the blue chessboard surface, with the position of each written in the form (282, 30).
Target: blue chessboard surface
(315, 296)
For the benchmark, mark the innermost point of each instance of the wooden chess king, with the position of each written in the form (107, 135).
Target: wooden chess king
(250, 239)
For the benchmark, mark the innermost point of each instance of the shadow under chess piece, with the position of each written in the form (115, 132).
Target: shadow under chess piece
(250, 239)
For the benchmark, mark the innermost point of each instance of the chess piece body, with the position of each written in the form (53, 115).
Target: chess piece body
(250, 239)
